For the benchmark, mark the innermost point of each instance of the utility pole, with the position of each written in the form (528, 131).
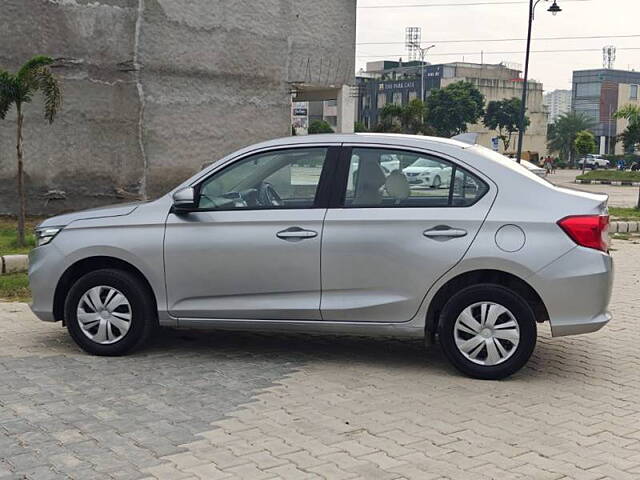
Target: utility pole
(554, 9)
(423, 52)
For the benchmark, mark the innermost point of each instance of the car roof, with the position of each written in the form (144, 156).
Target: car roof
(377, 138)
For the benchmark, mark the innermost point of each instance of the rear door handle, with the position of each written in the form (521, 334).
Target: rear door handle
(296, 233)
(442, 231)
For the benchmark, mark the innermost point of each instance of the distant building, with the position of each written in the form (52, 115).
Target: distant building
(558, 103)
(598, 94)
(396, 82)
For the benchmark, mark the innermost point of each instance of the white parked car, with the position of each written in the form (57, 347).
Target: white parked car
(428, 172)
(595, 161)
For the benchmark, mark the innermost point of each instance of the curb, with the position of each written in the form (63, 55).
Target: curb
(624, 227)
(620, 183)
(14, 264)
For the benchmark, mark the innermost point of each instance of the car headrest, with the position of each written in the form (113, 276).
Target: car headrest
(397, 185)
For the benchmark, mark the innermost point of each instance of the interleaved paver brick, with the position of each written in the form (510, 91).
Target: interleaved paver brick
(247, 406)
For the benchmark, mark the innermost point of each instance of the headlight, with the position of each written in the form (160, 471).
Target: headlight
(45, 235)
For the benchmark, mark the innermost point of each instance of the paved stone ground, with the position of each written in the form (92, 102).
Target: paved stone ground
(619, 196)
(220, 405)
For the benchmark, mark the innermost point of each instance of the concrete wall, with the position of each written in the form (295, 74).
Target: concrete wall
(153, 89)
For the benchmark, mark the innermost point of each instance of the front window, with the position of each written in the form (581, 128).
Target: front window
(277, 179)
(394, 178)
(633, 94)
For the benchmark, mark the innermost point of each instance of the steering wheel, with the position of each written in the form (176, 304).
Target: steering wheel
(268, 197)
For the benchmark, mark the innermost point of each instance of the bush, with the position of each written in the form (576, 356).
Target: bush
(615, 175)
(359, 127)
(320, 126)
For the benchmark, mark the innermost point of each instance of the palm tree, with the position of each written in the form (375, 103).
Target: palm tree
(631, 136)
(18, 89)
(562, 134)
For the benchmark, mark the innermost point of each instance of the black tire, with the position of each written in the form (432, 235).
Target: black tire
(522, 313)
(437, 182)
(143, 313)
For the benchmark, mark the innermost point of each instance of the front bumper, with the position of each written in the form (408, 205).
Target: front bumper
(576, 289)
(45, 265)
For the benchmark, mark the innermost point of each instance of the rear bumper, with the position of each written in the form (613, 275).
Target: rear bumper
(576, 289)
(561, 329)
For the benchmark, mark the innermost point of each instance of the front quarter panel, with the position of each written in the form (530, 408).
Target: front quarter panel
(136, 238)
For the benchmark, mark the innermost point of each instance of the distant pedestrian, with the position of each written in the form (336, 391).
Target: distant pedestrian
(548, 165)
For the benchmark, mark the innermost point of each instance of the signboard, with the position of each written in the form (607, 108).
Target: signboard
(299, 109)
(495, 143)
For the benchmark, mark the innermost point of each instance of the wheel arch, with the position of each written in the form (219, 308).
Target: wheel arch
(474, 277)
(88, 264)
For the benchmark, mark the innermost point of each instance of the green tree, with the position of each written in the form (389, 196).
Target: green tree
(562, 134)
(403, 119)
(504, 116)
(452, 108)
(585, 143)
(320, 126)
(631, 136)
(18, 89)
(390, 119)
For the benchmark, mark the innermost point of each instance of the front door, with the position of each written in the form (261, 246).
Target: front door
(251, 250)
(405, 219)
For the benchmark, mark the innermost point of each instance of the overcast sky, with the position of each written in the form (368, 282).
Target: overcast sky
(508, 20)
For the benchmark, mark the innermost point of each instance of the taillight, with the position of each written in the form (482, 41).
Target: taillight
(591, 231)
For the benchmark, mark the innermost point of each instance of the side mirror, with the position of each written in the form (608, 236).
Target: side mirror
(184, 200)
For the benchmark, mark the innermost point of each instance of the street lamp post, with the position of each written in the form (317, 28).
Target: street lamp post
(423, 51)
(554, 9)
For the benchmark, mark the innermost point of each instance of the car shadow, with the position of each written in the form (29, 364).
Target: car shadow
(303, 348)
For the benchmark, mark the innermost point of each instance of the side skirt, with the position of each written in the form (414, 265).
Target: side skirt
(411, 329)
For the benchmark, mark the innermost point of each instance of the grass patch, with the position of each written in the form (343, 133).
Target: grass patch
(9, 235)
(625, 214)
(15, 287)
(610, 175)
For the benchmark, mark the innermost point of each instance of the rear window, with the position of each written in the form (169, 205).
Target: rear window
(396, 178)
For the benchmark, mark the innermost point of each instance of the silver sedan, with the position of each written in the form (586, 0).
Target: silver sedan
(315, 234)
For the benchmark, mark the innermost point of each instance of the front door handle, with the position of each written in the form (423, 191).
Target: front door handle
(443, 231)
(296, 233)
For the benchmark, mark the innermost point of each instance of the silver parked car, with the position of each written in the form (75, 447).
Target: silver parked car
(310, 234)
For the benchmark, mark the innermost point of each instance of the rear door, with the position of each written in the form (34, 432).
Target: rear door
(387, 240)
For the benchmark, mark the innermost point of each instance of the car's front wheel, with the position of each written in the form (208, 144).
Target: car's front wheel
(109, 312)
(487, 331)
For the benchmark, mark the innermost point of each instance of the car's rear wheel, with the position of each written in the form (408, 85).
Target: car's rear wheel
(487, 331)
(109, 312)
